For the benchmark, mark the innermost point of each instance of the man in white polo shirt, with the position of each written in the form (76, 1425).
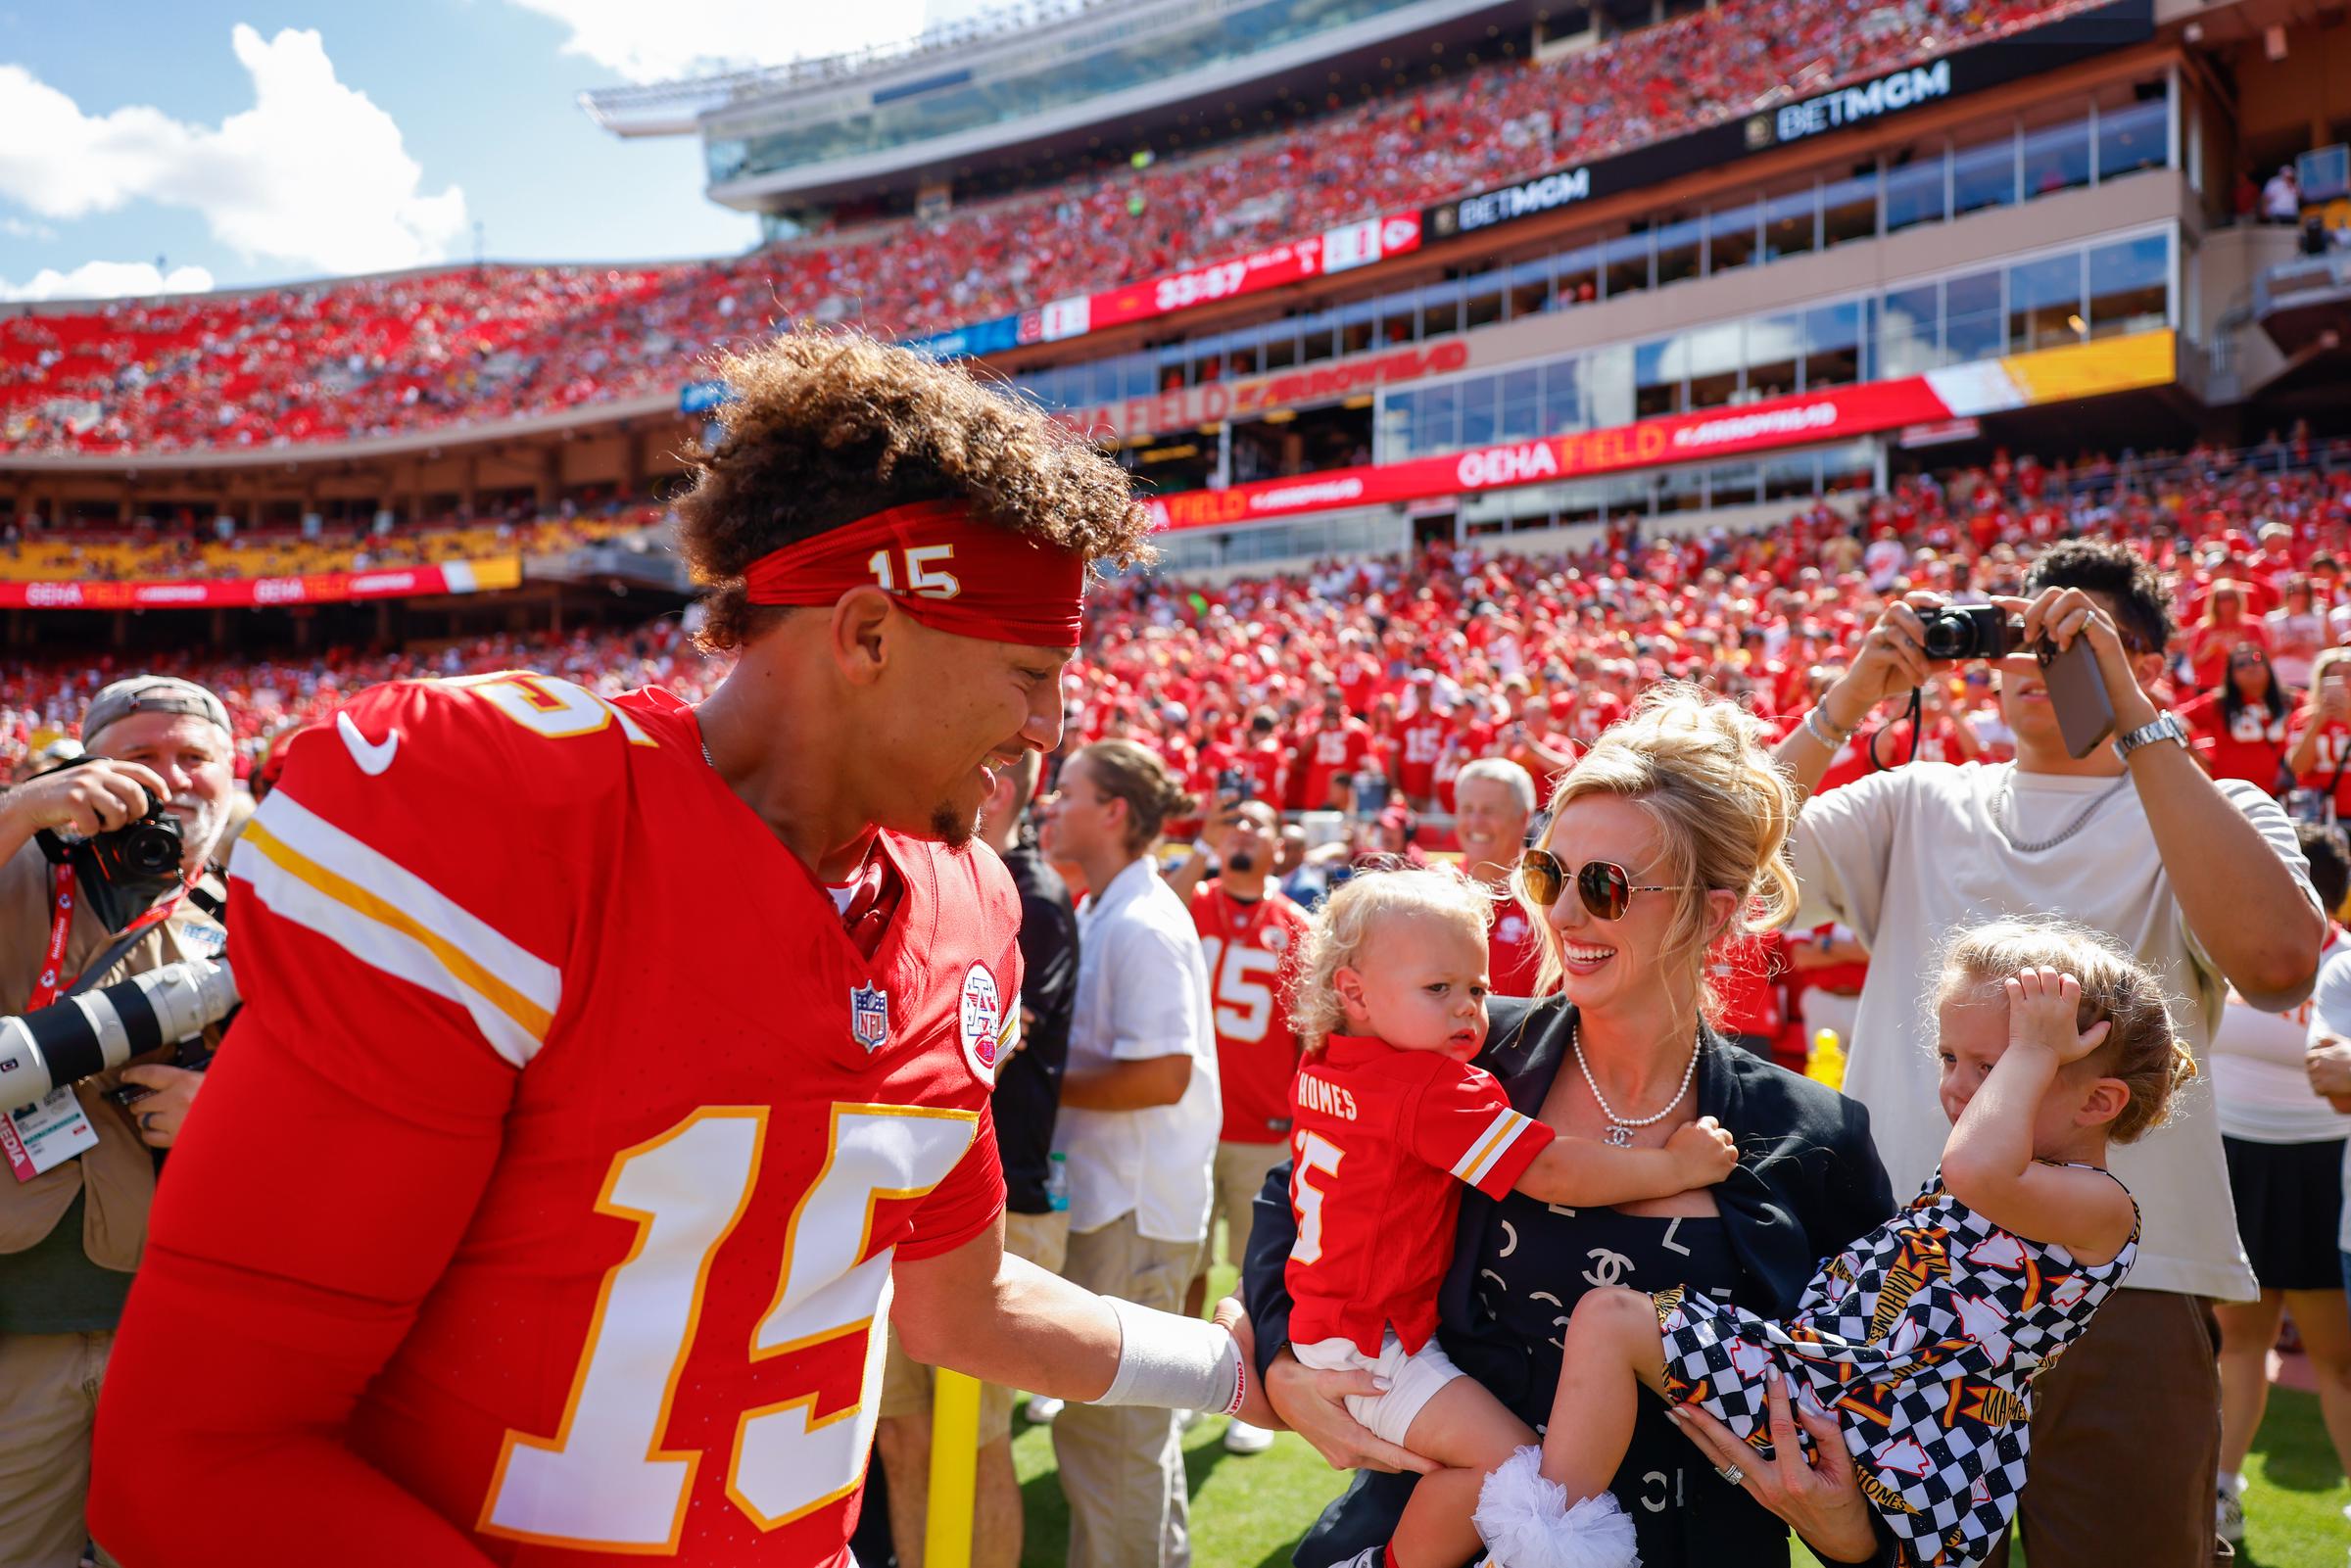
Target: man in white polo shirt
(2203, 881)
(1139, 1117)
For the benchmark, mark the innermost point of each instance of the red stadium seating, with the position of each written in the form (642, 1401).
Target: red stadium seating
(328, 361)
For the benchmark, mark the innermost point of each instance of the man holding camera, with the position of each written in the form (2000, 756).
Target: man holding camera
(2200, 878)
(74, 1219)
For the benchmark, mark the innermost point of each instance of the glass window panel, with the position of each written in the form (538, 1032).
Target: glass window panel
(1241, 357)
(1914, 189)
(1678, 250)
(1657, 378)
(1733, 236)
(1774, 346)
(1791, 223)
(2044, 300)
(1984, 172)
(1578, 274)
(1315, 334)
(1608, 386)
(1530, 287)
(1281, 348)
(1790, 478)
(1437, 428)
(1104, 381)
(1625, 260)
(1732, 485)
(1142, 375)
(1398, 317)
(1563, 396)
(1396, 410)
(1713, 349)
(1681, 490)
(1908, 332)
(1520, 418)
(1833, 344)
(1971, 317)
(1482, 306)
(2132, 136)
(2130, 286)
(1359, 327)
(1440, 309)
(1477, 397)
(2056, 155)
(1849, 209)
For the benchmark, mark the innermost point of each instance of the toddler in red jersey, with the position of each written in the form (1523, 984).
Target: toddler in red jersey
(1389, 1120)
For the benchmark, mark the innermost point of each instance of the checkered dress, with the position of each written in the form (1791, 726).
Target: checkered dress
(1923, 1338)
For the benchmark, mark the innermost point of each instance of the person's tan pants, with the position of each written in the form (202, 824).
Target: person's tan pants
(1121, 1468)
(48, 1402)
(1240, 1175)
(2131, 1410)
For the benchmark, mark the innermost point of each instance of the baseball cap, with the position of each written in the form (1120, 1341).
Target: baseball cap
(151, 693)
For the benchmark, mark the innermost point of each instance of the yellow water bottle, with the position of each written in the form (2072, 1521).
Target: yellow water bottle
(1826, 1065)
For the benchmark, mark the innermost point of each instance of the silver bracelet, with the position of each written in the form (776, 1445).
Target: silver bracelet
(1817, 724)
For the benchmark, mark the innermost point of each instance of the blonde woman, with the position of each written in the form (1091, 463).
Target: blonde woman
(1668, 831)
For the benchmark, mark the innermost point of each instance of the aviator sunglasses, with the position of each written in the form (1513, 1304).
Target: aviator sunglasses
(1605, 887)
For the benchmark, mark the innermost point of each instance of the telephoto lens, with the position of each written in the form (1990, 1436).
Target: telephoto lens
(71, 1039)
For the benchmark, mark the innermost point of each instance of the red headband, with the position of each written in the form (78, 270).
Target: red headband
(945, 567)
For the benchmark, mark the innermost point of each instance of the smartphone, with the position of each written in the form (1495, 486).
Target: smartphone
(2084, 717)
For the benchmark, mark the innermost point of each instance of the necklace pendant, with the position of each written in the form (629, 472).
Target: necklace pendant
(1618, 1136)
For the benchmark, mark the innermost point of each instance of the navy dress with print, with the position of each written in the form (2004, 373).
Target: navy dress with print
(1539, 1262)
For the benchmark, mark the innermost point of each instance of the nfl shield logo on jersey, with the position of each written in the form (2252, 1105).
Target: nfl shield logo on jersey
(869, 1017)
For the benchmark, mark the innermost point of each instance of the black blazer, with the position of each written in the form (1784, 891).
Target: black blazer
(1808, 1181)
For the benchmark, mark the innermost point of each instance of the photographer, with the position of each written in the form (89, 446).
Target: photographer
(2200, 878)
(74, 1221)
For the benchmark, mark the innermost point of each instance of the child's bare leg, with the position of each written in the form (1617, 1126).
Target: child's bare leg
(1469, 1429)
(1612, 1351)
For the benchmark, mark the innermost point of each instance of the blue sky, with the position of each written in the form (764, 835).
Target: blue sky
(248, 141)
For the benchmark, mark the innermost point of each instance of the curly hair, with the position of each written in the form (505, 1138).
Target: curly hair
(1343, 925)
(825, 427)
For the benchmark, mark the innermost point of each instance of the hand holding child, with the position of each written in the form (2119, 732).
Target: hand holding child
(2043, 1005)
(1704, 1151)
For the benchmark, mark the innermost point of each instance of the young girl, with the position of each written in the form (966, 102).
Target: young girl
(1389, 1120)
(1922, 1339)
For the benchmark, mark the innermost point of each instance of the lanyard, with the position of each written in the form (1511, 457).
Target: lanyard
(52, 979)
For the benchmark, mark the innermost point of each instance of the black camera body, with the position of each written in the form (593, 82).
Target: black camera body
(1963, 631)
(146, 851)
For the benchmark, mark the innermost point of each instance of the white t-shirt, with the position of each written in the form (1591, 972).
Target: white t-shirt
(2258, 1083)
(2331, 1013)
(1142, 992)
(1906, 858)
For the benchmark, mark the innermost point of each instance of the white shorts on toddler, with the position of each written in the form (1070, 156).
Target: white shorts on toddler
(1412, 1380)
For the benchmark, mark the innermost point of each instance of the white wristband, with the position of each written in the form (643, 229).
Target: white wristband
(1173, 1363)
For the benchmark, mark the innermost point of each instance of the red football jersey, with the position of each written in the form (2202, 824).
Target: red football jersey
(1424, 736)
(1329, 752)
(2330, 769)
(1513, 951)
(2251, 746)
(1745, 970)
(1251, 948)
(1384, 1141)
(559, 1163)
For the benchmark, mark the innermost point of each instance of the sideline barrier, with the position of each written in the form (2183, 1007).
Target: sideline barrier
(317, 587)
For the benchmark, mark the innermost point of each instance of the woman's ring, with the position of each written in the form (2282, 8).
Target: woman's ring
(146, 1121)
(1731, 1473)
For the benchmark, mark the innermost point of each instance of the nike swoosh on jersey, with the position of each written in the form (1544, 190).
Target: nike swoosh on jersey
(373, 757)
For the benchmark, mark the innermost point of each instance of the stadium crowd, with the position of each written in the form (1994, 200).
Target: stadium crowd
(336, 361)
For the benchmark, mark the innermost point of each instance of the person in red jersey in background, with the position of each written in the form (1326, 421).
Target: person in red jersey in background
(1747, 969)
(1249, 935)
(2319, 757)
(1330, 751)
(1495, 801)
(513, 1230)
(2224, 627)
(2240, 730)
(1421, 733)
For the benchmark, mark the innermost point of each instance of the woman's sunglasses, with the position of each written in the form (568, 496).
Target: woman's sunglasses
(1605, 887)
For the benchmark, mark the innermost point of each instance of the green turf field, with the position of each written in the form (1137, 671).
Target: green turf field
(1249, 1512)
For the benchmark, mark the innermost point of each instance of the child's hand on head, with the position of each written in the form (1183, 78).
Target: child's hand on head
(1705, 1150)
(2043, 1005)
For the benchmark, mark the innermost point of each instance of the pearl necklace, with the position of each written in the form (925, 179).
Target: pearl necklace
(1621, 1127)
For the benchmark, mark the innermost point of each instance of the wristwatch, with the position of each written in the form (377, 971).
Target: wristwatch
(2166, 726)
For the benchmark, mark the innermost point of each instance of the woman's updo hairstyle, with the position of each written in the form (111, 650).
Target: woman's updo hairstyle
(1126, 771)
(1702, 768)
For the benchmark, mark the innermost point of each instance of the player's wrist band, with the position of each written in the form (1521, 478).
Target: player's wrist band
(1174, 1363)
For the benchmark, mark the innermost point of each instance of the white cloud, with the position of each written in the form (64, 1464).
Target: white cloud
(662, 42)
(314, 173)
(102, 280)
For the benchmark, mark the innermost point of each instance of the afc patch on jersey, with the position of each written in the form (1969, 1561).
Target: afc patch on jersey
(982, 1024)
(869, 1017)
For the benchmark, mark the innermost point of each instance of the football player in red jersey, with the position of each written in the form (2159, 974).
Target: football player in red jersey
(609, 1066)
